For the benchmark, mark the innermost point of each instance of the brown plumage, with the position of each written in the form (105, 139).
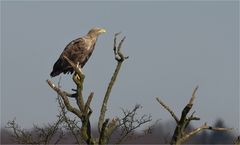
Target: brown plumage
(78, 51)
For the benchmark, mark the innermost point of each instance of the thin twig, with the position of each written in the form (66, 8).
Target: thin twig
(130, 122)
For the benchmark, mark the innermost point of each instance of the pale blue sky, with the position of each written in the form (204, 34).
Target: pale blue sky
(173, 46)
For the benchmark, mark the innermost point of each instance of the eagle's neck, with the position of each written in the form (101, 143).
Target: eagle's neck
(92, 35)
(92, 38)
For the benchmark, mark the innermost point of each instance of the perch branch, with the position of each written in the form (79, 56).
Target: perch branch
(76, 68)
(78, 79)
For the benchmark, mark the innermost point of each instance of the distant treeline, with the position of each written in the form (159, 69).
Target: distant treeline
(159, 133)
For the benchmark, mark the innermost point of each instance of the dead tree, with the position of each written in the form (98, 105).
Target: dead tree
(180, 135)
(83, 110)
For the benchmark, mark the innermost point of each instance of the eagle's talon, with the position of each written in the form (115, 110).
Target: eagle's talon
(76, 77)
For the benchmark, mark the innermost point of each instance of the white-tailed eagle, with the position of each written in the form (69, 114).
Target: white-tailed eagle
(78, 51)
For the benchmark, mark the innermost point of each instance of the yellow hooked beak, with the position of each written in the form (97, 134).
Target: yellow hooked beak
(102, 31)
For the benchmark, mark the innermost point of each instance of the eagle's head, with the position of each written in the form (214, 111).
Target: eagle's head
(96, 31)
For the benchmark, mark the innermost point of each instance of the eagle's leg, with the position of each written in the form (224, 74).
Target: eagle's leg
(76, 75)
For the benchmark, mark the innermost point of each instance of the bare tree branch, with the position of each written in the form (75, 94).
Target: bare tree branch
(199, 129)
(120, 58)
(168, 109)
(65, 100)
